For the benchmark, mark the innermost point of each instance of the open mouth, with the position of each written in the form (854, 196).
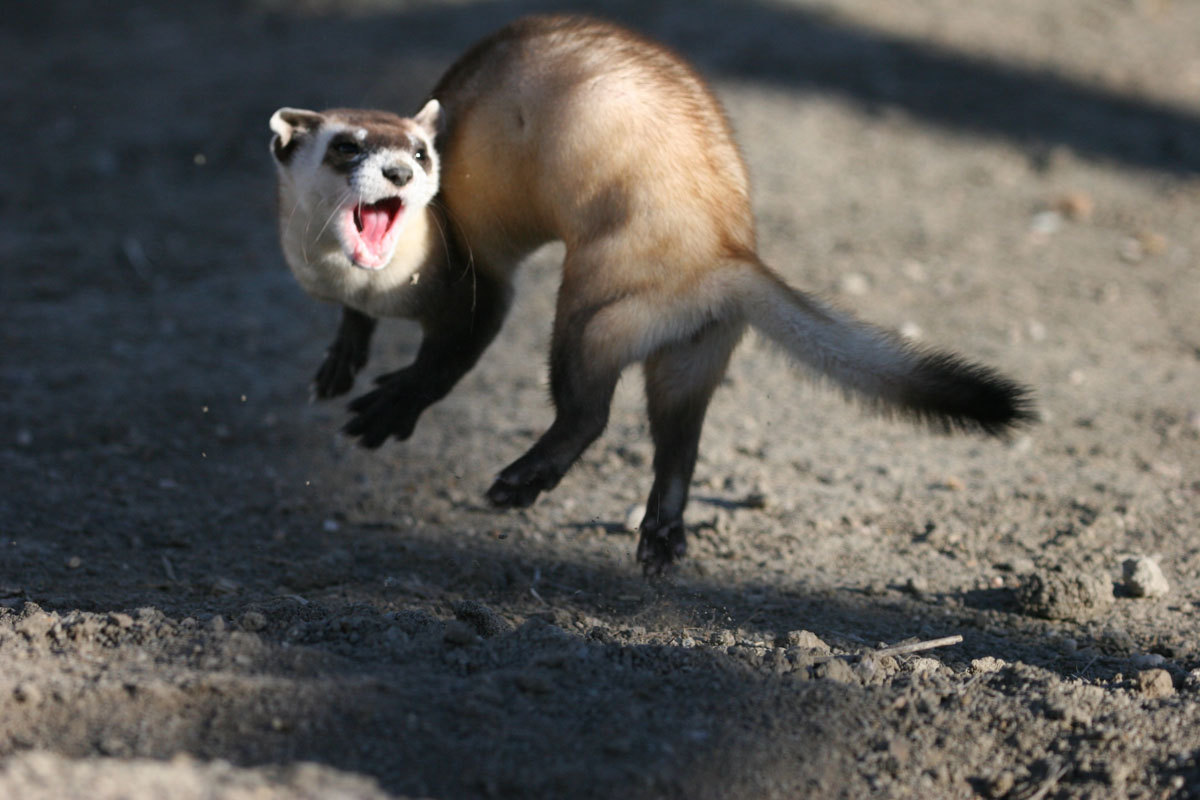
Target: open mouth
(372, 230)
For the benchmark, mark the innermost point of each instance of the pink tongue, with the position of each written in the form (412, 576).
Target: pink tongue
(376, 220)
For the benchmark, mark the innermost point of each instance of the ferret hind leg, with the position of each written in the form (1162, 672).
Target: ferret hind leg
(680, 381)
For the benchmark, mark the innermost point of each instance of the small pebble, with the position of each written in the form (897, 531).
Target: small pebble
(835, 669)
(1155, 683)
(1144, 578)
(74, 562)
(1045, 223)
(1002, 784)
(924, 664)
(1130, 250)
(981, 666)
(37, 624)
(725, 639)
(633, 518)
(1152, 242)
(482, 619)
(1019, 565)
(120, 620)
(254, 621)
(806, 640)
(854, 283)
(1075, 206)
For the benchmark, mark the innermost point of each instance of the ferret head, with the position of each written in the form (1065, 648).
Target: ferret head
(355, 177)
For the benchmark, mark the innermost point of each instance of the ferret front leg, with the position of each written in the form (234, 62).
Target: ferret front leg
(346, 356)
(454, 339)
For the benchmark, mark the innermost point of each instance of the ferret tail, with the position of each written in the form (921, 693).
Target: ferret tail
(888, 374)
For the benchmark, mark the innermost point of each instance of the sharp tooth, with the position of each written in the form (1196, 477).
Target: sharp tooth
(358, 223)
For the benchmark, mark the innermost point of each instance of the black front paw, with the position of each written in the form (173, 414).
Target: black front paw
(522, 481)
(387, 411)
(660, 544)
(336, 374)
(335, 377)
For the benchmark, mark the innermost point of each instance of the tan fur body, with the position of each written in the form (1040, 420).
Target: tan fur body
(570, 129)
(582, 132)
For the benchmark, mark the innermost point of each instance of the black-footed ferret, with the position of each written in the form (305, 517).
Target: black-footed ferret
(568, 128)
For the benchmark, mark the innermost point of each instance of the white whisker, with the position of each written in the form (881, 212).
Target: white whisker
(338, 206)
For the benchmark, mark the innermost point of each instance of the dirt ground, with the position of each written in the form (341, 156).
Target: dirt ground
(206, 592)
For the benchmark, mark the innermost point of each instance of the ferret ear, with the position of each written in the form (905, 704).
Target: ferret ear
(431, 118)
(290, 125)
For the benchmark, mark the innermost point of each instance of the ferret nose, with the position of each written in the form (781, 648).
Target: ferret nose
(399, 174)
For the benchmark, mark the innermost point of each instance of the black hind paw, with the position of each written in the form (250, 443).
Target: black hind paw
(660, 545)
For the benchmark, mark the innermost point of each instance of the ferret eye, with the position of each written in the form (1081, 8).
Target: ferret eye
(420, 155)
(345, 147)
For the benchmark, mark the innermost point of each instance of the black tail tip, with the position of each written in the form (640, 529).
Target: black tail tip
(957, 395)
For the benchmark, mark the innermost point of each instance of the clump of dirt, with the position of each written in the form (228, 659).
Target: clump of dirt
(1064, 595)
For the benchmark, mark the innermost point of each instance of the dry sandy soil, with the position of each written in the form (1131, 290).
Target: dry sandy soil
(206, 592)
